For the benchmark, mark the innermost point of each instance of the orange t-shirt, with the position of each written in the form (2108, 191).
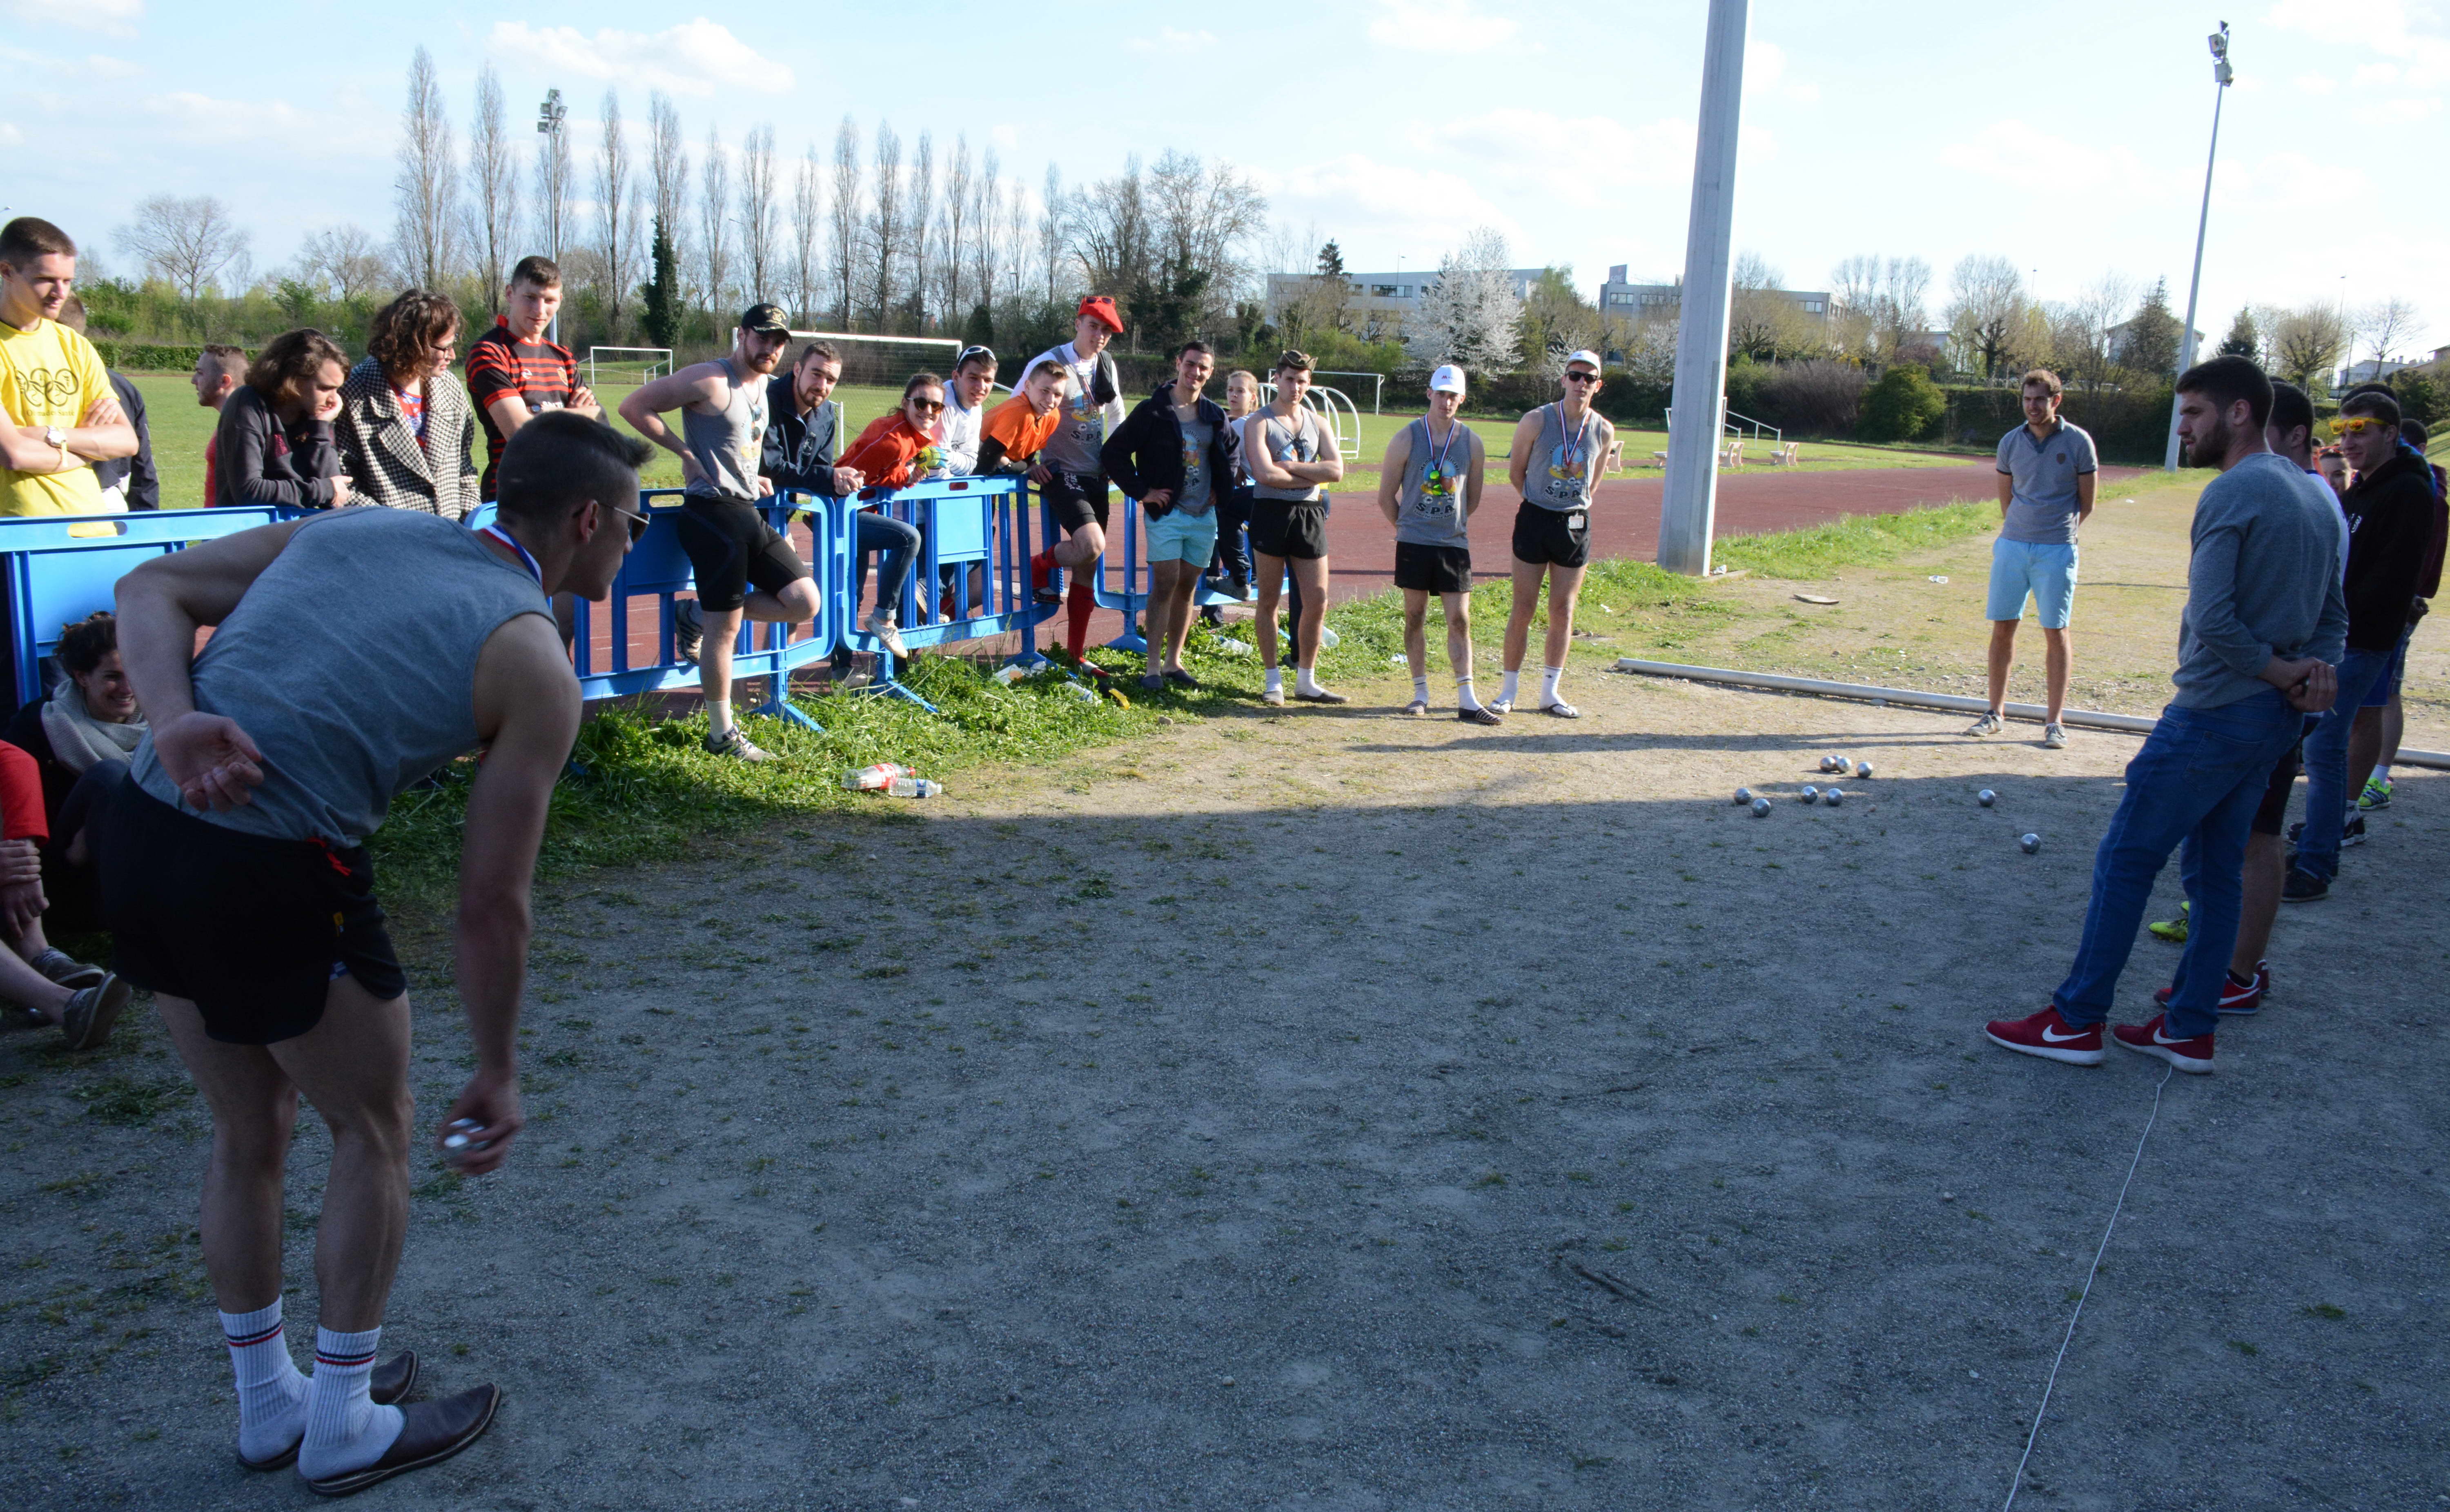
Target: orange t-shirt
(884, 451)
(1020, 429)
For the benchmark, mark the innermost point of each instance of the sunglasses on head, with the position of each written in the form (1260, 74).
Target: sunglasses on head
(970, 353)
(1578, 375)
(931, 406)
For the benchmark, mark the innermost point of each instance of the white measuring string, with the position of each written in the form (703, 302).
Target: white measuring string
(2120, 1206)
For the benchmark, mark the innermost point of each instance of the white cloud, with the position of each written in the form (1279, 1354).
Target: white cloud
(696, 57)
(1765, 74)
(1404, 205)
(1438, 26)
(345, 136)
(2317, 82)
(1578, 160)
(112, 17)
(2013, 152)
(1172, 43)
(10, 136)
(100, 66)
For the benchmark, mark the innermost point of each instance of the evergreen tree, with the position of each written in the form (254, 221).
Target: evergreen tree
(1330, 260)
(661, 295)
(2244, 339)
(2153, 336)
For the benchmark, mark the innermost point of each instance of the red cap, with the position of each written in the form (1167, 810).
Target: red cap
(1104, 308)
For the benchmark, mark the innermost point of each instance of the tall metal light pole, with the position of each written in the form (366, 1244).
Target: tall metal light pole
(550, 117)
(2221, 74)
(1687, 511)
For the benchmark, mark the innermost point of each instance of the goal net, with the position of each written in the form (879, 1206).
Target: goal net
(626, 366)
(885, 362)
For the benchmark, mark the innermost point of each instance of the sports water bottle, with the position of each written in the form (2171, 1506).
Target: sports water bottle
(876, 778)
(907, 787)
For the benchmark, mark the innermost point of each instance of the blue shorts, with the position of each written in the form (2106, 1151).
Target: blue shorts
(1175, 536)
(2044, 570)
(2387, 686)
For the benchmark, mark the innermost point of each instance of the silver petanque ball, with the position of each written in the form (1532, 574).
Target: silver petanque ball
(1863, 770)
(1809, 793)
(1760, 808)
(2029, 843)
(1828, 763)
(1833, 797)
(1743, 796)
(1986, 798)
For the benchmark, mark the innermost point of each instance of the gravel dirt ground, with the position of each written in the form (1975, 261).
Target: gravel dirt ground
(1332, 1110)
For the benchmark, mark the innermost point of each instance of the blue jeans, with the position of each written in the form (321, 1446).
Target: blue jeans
(2326, 764)
(895, 542)
(2196, 784)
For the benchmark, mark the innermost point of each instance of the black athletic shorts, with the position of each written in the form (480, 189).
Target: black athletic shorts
(1283, 527)
(251, 930)
(1433, 568)
(732, 547)
(2271, 816)
(1076, 498)
(1559, 537)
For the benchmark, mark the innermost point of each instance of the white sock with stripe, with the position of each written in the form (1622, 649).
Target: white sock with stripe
(271, 1393)
(344, 1429)
(1464, 699)
(1420, 689)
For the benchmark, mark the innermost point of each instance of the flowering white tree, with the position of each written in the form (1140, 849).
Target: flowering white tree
(1470, 315)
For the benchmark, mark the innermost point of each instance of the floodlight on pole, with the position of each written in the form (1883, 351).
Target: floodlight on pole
(1687, 511)
(550, 117)
(2222, 75)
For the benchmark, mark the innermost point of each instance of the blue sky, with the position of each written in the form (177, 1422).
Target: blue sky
(2070, 137)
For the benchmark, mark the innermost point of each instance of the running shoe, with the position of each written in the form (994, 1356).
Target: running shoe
(2174, 930)
(2303, 886)
(689, 628)
(2238, 998)
(2053, 736)
(87, 1020)
(1480, 716)
(2377, 794)
(2353, 832)
(881, 626)
(1046, 585)
(66, 970)
(733, 744)
(2047, 1036)
(2193, 1057)
(1989, 724)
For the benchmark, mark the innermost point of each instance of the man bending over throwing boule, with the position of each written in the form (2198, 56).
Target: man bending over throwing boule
(1427, 489)
(1557, 450)
(235, 878)
(731, 549)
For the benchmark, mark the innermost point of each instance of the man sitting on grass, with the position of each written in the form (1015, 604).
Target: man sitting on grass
(2263, 623)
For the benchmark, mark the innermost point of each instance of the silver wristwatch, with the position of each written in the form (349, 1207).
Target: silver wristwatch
(53, 435)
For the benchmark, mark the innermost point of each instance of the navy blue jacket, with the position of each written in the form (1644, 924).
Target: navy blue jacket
(799, 448)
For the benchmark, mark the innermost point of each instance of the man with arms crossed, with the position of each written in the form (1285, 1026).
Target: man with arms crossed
(2047, 473)
(1557, 452)
(1428, 488)
(58, 415)
(2264, 621)
(1290, 453)
(1076, 492)
(235, 881)
(732, 547)
(1173, 455)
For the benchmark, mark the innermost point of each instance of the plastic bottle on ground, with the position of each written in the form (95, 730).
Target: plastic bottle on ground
(914, 787)
(876, 778)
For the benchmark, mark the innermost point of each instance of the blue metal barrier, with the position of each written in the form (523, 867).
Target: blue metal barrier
(1132, 597)
(62, 567)
(973, 526)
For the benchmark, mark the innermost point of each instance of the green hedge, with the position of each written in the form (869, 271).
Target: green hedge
(145, 356)
(2131, 426)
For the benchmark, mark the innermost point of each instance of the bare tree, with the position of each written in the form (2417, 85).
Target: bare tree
(343, 261)
(427, 189)
(921, 217)
(2082, 347)
(715, 224)
(986, 213)
(951, 260)
(807, 233)
(1107, 226)
(1016, 233)
(845, 220)
(1201, 218)
(885, 224)
(1987, 308)
(2308, 344)
(616, 207)
(2386, 325)
(668, 172)
(492, 227)
(1763, 322)
(1050, 229)
(760, 214)
(187, 242)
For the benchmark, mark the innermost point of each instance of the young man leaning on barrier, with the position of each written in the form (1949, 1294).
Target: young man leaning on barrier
(2047, 473)
(1173, 454)
(1076, 487)
(743, 565)
(235, 880)
(2263, 623)
(1429, 487)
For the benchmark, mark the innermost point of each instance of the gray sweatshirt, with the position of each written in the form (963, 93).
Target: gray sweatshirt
(2263, 581)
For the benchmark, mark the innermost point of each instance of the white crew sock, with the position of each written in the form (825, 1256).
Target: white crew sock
(1275, 679)
(344, 1429)
(2381, 772)
(271, 1393)
(1305, 681)
(1548, 676)
(1464, 699)
(1420, 689)
(1509, 689)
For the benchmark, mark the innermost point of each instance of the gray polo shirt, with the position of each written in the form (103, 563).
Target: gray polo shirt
(2041, 505)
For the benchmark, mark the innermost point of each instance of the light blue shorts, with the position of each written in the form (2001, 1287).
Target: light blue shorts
(2044, 570)
(1179, 538)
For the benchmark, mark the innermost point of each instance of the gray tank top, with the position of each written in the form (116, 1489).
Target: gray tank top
(1559, 475)
(728, 443)
(1429, 503)
(352, 663)
(1286, 443)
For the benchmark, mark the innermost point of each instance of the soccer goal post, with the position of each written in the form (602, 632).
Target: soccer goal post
(623, 362)
(885, 360)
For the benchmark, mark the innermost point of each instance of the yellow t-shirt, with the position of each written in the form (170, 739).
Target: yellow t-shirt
(48, 375)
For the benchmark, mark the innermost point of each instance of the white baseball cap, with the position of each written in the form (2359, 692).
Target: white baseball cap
(1586, 355)
(1447, 379)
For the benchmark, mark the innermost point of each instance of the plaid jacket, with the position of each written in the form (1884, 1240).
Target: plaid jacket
(380, 454)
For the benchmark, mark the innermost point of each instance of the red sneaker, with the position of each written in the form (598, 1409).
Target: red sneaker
(2194, 1057)
(2049, 1036)
(2234, 998)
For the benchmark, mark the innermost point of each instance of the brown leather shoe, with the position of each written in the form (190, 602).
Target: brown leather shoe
(434, 1432)
(390, 1382)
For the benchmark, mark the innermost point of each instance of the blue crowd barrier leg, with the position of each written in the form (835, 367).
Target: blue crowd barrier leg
(881, 683)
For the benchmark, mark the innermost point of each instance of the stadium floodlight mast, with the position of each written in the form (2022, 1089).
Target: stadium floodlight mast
(2221, 74)
(550, 117)
(1689, 509)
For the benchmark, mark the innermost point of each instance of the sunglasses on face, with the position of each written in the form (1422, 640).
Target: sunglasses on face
(636, 522)
(2359, 424)
(1581, 377)
(930, 406)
